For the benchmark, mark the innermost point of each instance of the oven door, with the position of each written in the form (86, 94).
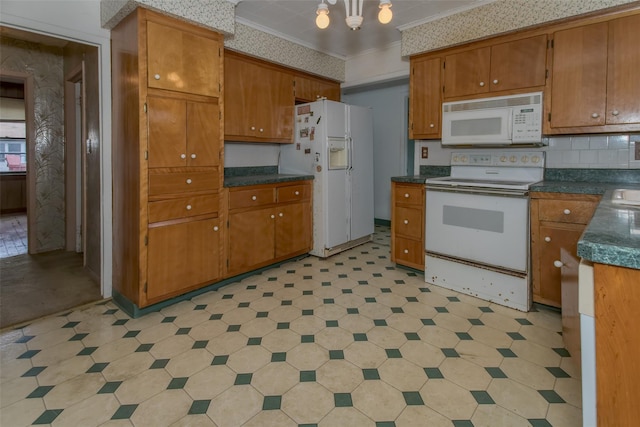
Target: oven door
(486, 228)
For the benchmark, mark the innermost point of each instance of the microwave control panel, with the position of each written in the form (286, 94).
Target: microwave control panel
(527, 123)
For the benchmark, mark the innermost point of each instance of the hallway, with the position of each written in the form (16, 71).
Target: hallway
(13, 235)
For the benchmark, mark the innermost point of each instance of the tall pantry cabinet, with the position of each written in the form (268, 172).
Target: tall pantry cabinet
(167, 157)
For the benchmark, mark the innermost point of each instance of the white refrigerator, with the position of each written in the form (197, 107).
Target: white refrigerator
(334, 143)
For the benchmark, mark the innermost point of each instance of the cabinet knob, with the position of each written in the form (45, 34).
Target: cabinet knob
(272, 216)
(183, 156)
(615, 112)
(481, 84)
(406, 251)
(406, 221)
(193, 156)
(406, 195)
(297, 193)
(547, 239)
(566, 212)
(189, 181)
(215, 228)
(280, 214)
(495, 81)
(557, 263)
(432, 125)
(254, 197)
(595, 115)
(188, 207)
(156, 76)
(261, 130)
(253, 128)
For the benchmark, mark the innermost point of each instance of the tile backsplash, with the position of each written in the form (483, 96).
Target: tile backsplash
(562, 152)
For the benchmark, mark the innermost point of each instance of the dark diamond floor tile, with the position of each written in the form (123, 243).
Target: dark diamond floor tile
(307, 338)
(131, 334)
(506, 352)
(336, 354)
(287, 302)
(428, 322)
(441, 309)
(476, 322)
(462, 423)
(24, 339)
(262, 314)
(215, 316)
(233, 328)
(168, 319)
(482, 397)
(250, 287)
(397, 310)
(267, 294)
(347, 291)
(360, 337)
(425, 290)
(40, 391)
(412, 398)
(342, 400)
(399, 282)
(551, 396)
(243, 305)
(109, 387)
(486, 309)
(563, 352)
(393, 353)
(453, 299)
(78, 337)
(271, 403)
(254, 341)
(200, 307)
(279, 357)
(464, 336)
(120, 322)
(380, 322)
(159, 364)
(412, 299)
(47, 416)
(307, 312)
(111, 311)
(450, 352)
(70, 324)
(353, 310)
(124, 412)
(307, 292)
(496, 372)
(97, 367)
(200, 344)
(177, 383)
(288, 285)
(220, 360)
(243, 379)
(412, 336)
(227, 296)
(515, 336)
(433, 373)
(87, 351)
(539, 422)
(331, 323)
(28, 354)
(385, 424)
(307, 376)
(143, 347)
(199, 407)
(558, 372)
(183, 331)
(283, 325)
(385, 290)
(524, 321)
(33, 372)
(371, 374)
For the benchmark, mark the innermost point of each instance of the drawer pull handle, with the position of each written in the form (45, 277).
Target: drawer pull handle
(193, 156)
(156, 76)
(188, 207)
(297, 193)
(272, 216)
(406, 251)
(406, 195)
(495, 82)
(189, 181)
(557, 263)
(183, 156)
(406, 221)
(280, 214)
(254, 197)
(481, 84)
(547, 239)
(215, 228)
(566, 211)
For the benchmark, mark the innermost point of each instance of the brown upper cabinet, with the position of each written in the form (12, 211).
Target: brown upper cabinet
(259, 100)
(182, 61)
(513, 65)
(425, 101)
(595, 86)
(309, 88)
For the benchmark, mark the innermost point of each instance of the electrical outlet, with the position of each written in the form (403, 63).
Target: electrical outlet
(634, 154)
(637, 150)
(425, 152)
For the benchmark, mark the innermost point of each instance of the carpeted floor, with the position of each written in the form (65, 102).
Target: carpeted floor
(33, 286)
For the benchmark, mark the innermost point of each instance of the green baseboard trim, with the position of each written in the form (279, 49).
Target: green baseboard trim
(133, 311)
(411, 269)
(378, 221)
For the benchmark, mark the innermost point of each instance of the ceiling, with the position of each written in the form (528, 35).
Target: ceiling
(295, 20)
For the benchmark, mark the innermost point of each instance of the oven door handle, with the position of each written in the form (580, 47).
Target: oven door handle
(478, 190)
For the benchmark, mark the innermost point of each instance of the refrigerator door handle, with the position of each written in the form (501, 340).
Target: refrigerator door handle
(350, 168)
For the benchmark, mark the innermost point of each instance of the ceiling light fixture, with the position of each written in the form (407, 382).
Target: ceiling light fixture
(353, 10)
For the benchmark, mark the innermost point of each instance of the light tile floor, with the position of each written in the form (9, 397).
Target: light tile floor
(13, 235)
(346, 341)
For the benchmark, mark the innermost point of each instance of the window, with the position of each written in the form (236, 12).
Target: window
(13, 146)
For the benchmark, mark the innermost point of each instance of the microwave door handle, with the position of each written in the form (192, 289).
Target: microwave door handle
(510, 124)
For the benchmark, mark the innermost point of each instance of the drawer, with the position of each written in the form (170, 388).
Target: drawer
(408, 222)
(408, 195)
(572, 211)
(409, 252)
(182, 208)
(251, 197)
(292, 193)
(182, 182)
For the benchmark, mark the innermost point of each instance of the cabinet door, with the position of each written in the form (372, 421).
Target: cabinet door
(240, 81)
(203, 134)
(519, 64)
(467, 73)
(182, 61)
(251, 237)
(554, 241)
(275, 100)
(578, 92)
(623, 84)
(167, 119)
(181, 256)
(309, 89)
(293, 229)
(425, 99)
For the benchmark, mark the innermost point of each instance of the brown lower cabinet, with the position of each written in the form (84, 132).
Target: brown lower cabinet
(407, 224)
(267, 224)
(557, 222)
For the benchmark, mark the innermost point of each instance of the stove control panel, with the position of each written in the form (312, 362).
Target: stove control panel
(533, 159)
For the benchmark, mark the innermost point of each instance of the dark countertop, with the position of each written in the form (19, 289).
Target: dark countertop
(246, 180)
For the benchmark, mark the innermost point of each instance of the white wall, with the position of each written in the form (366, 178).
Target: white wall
(78, 21)
(389, 104)
(376, 66)
(240, 154)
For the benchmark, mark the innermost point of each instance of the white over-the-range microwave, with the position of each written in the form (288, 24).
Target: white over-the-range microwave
(498, 121)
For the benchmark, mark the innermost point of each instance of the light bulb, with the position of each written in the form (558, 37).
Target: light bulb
(322, 20)
(385, 14)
